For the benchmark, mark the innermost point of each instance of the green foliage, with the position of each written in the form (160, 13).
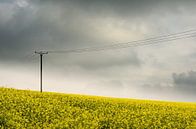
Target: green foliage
(31, 109)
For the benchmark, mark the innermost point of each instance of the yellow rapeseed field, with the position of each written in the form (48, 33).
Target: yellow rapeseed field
(33, 110)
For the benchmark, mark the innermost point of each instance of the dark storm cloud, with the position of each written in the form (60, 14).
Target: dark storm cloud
(182, 87)
(65, 24)
(185, 82)
(48, 26)
(26, 32)
(19, 34)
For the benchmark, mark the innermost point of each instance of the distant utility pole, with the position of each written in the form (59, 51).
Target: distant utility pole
(41, 53)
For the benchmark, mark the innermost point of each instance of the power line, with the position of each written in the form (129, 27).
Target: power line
(149, 41)
(121, 46)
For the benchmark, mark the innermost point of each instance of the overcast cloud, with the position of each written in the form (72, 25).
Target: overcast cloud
(165, 71)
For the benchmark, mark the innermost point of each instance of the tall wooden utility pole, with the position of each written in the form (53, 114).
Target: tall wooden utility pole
(41, 53)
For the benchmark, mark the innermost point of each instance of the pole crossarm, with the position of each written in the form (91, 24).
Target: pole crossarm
(41, 52)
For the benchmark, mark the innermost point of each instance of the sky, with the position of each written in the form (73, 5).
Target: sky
(165, 71)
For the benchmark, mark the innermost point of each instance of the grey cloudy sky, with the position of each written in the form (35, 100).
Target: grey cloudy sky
(165, 71)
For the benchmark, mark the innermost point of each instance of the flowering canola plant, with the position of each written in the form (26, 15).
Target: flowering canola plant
(35, 110)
